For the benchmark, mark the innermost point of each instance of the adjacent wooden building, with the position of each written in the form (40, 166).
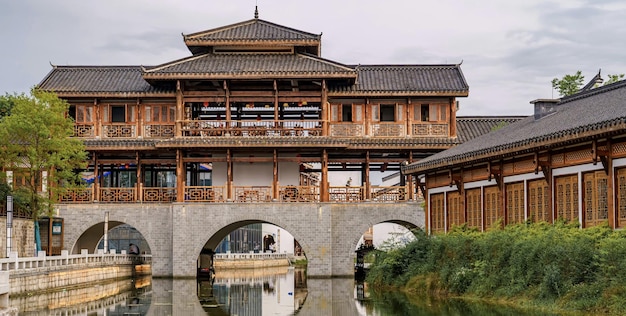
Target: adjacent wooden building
(255, 113)
(567, 161)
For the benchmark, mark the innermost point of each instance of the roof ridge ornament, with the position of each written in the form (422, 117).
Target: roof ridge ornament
(256, 12)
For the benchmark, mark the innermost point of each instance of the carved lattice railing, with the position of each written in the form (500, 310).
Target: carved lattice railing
(388, 194)
(253, 194)
(204, 193)
(116, 195)
(346, 194)
(158, 130)
(119, 130)
(299, 193)
(159, 194)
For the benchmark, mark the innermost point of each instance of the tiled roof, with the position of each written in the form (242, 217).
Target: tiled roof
(469, 127)
(407, 78)
(256, 30)
(273, 141)
(97, 79)
(231, 65)
(600, 111)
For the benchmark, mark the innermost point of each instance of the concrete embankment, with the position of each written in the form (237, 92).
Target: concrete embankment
(249, 261)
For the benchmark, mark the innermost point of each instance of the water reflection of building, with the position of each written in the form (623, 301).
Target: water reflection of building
(257, 293)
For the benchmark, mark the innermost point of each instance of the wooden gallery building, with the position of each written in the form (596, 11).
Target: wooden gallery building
(254, 113)
(567, 161)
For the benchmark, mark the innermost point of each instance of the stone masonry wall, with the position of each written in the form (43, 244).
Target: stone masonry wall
(23, 237)
(176, 233)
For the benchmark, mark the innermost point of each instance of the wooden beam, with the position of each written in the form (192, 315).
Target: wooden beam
(495, 172)
(545, 166)
(602, 155)
(456, 180)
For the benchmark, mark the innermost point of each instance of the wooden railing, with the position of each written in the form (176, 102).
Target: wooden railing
(159, 130)
(84, 130)
(119, 130)
(207, 128)
(240, 194)
(76, 195)
(118, 195)
(299, 193)
(253, 194)
(205, 193)
(346, 194)
(159, 194)
(388, 194)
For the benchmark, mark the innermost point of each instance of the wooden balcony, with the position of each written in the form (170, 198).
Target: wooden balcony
(240, 194)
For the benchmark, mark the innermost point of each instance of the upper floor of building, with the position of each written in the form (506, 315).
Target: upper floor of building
(258, 78)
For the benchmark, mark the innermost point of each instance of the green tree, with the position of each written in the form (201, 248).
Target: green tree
(569, 84)
(614, 78)
(6, 104)
(34, 138)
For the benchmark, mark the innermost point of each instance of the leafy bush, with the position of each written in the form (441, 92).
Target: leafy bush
(544, 263)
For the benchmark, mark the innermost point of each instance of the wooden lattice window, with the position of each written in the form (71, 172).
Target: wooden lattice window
(567, 198)
(160, 113)
(539, 201)
(430, 112)
(456, 211)
(436, 213)
(474, 210)
(82, 113)
(621, 197)
(515, 203)
(493, 211)
(595, 196)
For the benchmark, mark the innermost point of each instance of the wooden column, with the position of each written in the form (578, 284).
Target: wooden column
(368, 185)
(229, 174)
(411, 188)
(325, 109)
(179, 110)
(98, 118)
(227, 98)
(409, 118)
(275, 179)
(276, 115)
(139, 177)
(452, 120)
(610, 200)
(367, 120)
(139, 122)
(95, 195)
(324, 185)
(180, 176)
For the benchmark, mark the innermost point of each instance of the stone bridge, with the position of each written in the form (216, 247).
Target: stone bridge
(177, 232)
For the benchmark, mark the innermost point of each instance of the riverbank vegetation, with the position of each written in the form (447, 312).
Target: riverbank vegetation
(540, 265)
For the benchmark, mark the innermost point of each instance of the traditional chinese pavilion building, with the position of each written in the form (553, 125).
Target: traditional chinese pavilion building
(567, 161)
(255, 113)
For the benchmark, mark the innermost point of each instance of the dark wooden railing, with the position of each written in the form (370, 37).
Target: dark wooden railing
(240, 194)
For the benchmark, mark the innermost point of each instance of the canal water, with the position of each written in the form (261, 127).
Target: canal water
(274, 291)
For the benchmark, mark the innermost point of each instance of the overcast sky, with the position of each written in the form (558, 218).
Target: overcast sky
(510, 50)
